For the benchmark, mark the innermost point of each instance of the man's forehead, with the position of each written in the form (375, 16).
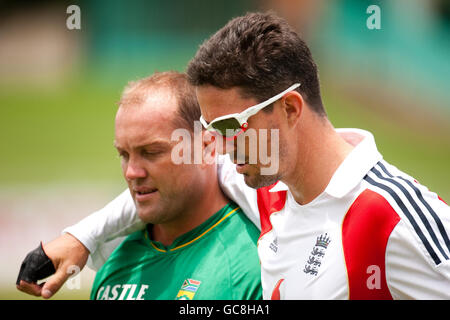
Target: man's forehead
(159, 106)
(139, 130)
(144, 124)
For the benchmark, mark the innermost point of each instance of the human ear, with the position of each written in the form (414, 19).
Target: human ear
(292, 104)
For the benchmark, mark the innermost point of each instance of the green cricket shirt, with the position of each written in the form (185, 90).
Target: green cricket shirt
(217, 260)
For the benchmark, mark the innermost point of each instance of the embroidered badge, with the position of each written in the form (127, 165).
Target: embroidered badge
(188, 289)
(315, 259)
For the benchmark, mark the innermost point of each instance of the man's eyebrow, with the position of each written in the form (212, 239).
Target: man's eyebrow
(154, 144)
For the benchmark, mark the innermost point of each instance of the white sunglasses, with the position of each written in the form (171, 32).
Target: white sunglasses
(231, 124)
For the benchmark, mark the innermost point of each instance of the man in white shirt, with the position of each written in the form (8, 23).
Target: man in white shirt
(337, 221)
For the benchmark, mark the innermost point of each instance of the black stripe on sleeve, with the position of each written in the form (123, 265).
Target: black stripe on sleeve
(408, 215)
(416, 209)
(426, 204)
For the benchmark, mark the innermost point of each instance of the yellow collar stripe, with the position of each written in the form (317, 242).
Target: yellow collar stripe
(212, 227)
(188, 243)
(160, 250)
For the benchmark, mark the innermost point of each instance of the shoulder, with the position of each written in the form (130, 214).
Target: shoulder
(418, 246)
(422, 212)
(237, 227)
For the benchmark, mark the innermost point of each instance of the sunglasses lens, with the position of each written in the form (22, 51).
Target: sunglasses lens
(227, 127)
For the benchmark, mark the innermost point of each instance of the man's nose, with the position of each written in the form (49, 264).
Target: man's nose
(134, 170)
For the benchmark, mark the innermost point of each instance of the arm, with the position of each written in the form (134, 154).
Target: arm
(98, 231)
(97, 235)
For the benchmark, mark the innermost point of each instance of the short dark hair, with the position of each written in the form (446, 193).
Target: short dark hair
(261, 54)
(188, 109)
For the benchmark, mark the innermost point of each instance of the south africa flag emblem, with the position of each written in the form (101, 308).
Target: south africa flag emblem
(188, 289)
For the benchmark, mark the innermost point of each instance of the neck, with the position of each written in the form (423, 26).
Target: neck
(320, 152)
(208, 199)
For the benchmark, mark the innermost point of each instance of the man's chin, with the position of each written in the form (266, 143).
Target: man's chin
(150, 217)
(148, 214)
(257, 181)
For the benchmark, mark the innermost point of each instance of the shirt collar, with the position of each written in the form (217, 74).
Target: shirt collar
(355, 166)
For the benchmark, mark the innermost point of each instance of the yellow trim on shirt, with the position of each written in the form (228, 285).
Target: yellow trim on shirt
(193, 240)
(213, 226)
(160, 250)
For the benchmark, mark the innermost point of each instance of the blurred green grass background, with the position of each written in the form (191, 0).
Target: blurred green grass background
(63, 135)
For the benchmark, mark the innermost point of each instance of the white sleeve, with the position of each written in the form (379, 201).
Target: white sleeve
(411, 272)
(234, 186)
(100, 232)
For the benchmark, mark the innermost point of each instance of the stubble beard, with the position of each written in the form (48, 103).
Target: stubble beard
(256, 180)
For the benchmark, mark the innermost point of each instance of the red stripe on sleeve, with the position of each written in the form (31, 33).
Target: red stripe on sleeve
(365, 232)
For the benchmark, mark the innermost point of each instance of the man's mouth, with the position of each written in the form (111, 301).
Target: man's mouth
(144, 193)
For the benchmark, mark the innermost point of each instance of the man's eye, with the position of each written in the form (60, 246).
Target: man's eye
(123, 155)
(148, 153)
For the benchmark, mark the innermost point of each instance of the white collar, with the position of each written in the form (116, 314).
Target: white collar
(353, 169)
(355, 166)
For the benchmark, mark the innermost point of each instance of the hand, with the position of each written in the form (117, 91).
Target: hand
(64, 252)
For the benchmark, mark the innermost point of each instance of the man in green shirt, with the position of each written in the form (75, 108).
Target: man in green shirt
(212, 261)
(197, 244)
